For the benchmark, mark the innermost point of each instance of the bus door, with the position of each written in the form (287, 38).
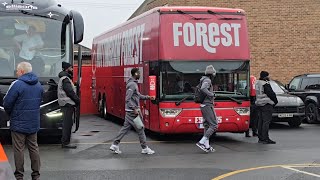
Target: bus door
(145, 104)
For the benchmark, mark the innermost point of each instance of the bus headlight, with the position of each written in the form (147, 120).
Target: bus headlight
(243, 111)
(170, 113)
(54, 114)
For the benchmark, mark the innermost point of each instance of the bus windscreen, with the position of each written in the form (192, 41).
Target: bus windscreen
(179, 78)
(40, 41)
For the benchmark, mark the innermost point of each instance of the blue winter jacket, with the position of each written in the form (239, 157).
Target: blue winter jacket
(22, 103)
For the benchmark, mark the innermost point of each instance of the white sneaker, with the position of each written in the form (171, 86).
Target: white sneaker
(211, 149)
(147, 150)
(115, 148)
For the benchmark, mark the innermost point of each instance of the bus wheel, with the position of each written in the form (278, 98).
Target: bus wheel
(101, 108)
(105, 113)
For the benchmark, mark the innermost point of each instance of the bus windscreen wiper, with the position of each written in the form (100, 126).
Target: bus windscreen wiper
(7, 80)
(182, 100)
(192, 17)
(223, 17)
(231, 98)
(2, 78)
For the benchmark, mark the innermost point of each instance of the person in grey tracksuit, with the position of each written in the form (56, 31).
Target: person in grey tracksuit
(132, 108)
(266, 99)
(209, 116)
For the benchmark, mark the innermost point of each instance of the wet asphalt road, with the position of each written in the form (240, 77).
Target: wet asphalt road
(177, 157)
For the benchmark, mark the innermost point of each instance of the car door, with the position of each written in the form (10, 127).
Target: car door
(294, 87)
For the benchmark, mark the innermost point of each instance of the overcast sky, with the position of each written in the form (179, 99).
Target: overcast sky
(101, 15)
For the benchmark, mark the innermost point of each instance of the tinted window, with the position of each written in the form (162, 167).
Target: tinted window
(295, 83)
(179, 78)
(46, 37)
(310, 83)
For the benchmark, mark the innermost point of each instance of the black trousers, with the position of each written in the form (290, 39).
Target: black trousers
(265, 118)
(67, 112)
(254, 118)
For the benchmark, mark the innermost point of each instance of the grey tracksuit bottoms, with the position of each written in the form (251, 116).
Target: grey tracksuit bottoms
(128, 124)
(210, 122)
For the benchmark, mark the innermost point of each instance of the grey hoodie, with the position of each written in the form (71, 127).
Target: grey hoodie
(133, 95)
(206, 87)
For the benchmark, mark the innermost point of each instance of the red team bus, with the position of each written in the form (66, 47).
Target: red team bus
(172, 47)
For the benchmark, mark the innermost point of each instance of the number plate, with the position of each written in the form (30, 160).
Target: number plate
(199, 121)
(285, 115)
(8, 123)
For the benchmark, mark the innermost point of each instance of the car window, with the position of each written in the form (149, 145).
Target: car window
(294, 84)
(276, 87)
(310, 83)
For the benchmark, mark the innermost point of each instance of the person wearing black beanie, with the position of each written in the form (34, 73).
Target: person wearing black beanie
(266, 99)
(68, 100)
(264, 75)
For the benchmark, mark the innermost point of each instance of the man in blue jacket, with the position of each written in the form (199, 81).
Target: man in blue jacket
(22, 104)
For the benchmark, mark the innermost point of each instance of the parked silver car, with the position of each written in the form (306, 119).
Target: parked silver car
(289, 109)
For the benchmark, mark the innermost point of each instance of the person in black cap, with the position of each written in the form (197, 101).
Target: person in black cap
(67, 99)
(266, 99)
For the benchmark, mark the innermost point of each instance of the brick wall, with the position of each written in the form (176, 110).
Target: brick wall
(284, 34)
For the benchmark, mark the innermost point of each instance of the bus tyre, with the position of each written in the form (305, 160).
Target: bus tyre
(311, 113)
(105, 113)
(101, 108)
(295, 122)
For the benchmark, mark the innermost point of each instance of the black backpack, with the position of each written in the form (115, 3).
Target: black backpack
(199, 96)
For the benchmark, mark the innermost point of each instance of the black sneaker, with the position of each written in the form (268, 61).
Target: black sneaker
(269, 141)
(254, 134)
(69, 146)
(261, 141)
(247, 134)
(203, 147)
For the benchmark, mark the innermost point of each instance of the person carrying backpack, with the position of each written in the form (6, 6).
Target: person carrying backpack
(206, 105)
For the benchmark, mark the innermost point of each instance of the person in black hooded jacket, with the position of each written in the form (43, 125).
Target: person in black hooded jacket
(67, 99)
(266, 99)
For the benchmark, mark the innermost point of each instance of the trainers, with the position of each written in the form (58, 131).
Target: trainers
(147, 150)
(269, 141)
(115, 148)
(203, 147)
(211, 149)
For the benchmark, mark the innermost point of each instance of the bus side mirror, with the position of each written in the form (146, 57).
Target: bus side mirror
(78, 26)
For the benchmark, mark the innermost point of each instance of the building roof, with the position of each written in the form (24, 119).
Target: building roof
(85, 50)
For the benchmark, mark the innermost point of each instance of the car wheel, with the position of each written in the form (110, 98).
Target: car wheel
(311, 113)
(295, 122)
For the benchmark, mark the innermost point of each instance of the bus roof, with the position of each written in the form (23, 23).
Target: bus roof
(198, 9)
(171, 9)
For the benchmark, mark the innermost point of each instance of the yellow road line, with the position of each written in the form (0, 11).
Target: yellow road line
(262, 167)
(303, 172)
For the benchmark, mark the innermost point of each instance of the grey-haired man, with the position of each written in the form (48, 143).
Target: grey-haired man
(209, 116)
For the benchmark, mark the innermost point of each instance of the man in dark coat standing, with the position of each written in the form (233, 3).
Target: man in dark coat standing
(22, 104)
(266, 99)
(68, 100)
